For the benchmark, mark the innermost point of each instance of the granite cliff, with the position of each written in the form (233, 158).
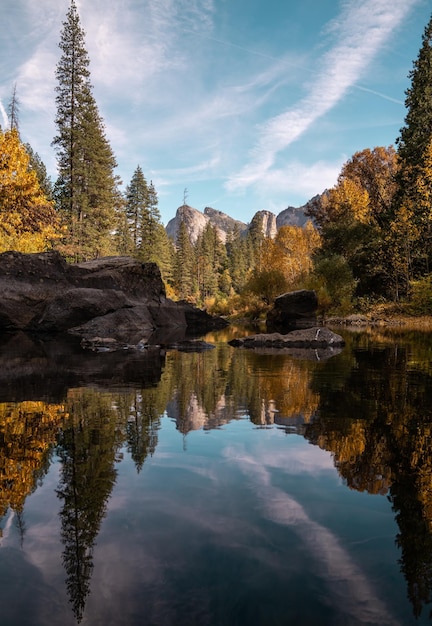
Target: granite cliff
(196, 221)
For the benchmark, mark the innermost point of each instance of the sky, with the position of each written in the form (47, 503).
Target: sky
(238, 105)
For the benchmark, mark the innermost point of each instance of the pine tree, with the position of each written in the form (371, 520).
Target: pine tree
(183, 264)
(238, 259)
(210, 261)
(136, 203)
(413, 145)
(38, 166)
(86, 189)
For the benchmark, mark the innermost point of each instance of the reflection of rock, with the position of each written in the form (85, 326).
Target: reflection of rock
(108, 344)
(296, 309)
(116, 297)
(32, 369)
(315, 343)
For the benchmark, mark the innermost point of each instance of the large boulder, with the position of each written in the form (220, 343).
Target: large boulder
(293, 310)
(117, 297)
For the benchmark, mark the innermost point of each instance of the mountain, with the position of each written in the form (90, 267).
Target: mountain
(196, 221)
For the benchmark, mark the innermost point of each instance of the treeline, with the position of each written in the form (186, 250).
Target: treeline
(369, 237)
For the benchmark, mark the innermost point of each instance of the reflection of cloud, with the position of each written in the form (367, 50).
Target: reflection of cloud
(353, 593)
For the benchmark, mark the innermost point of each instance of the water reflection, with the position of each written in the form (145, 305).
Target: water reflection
(369, 407)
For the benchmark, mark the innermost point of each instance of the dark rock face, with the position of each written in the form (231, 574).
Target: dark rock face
(296, 309)
(115, 297)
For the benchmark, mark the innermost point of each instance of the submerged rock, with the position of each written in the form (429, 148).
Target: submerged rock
(297, 343)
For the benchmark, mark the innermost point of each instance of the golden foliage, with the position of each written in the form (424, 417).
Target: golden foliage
(28, 221)
(27, 431)
(290, 253)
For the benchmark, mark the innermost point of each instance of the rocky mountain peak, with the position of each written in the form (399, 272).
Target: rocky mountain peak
(268, 223)
(196, 221)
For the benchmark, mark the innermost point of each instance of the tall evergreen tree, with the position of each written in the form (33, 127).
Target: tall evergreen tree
(136, 203)
(210, 256)
(183, 264)
(413, 146)
(150, 242)
(86, 189)
(238, 258)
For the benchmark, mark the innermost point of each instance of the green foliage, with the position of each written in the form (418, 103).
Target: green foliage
(210, 259)
(141, 232)
(421, 296)
(415, 157)
(266, 284)
(238, 259)
(183, 271)
(86, 189)
(336, 284)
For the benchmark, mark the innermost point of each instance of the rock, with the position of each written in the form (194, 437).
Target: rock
(113, 297)
(305, 339)
(267, 222)
(296, 309)
(194, 221)
(224, 223)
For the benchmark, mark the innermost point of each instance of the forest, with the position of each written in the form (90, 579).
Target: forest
(368, 240)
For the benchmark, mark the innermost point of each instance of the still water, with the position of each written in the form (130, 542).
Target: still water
(221, 488)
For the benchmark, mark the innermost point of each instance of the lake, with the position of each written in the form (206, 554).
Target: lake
(220, 488)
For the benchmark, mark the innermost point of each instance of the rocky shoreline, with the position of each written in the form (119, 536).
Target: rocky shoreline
(116, 298)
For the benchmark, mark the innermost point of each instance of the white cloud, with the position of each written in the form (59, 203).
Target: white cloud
(305, 179)
(5, 120)
(360, 31)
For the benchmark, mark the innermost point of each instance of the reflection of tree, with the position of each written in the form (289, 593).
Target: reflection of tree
(87, 450)
(212, 388)
(143, 424)
(199, 398)
(378, 426)
(273, 386)
(28, 431)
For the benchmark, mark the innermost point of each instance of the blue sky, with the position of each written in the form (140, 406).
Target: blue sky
(247, 104)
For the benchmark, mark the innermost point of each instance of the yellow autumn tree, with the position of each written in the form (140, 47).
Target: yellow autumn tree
(292, 250)
(28, 221)
(285, 261)
(348, 199)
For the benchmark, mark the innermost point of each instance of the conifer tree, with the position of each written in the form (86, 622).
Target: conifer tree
(238, 258)
(183, 264)
(210, 256)
(413, 146)
(150, 242)
(136, 203)
(86, 190)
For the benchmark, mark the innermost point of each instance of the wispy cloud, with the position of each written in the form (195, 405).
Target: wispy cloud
(359, 32)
